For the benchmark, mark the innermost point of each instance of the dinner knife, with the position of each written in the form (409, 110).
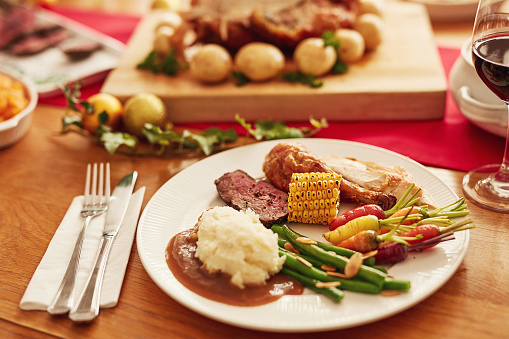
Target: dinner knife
(87, 306)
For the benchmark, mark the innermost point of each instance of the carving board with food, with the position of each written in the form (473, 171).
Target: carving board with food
(401, 79)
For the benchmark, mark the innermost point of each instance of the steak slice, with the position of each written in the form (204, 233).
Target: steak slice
(15, 20)
(242, 192)
(39, 40)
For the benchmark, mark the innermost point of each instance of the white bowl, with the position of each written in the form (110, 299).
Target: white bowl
(15, 128)
(474, 99)
(450, 10)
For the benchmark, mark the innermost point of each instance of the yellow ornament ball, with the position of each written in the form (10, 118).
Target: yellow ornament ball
(102, 102)
(143, 108)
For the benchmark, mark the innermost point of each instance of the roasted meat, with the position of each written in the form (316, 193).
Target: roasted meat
(287, 158)
(395, 180)
(290, 25)
(241, 191)
(284, 23)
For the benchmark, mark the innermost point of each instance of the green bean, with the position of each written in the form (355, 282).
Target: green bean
(396, 285)
(332, 292)
(315, 262)
(366, 273)
(315, 273)
(380, 268)
(327, 247)
(343, 252)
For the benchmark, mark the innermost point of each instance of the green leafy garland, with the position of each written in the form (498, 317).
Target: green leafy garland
(168, 142)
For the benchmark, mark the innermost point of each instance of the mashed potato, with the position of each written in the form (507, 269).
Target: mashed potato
(238, 244)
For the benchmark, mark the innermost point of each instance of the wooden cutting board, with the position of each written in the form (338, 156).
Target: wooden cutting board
(402, 80)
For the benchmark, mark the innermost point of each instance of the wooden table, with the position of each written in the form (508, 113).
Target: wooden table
(40, 175)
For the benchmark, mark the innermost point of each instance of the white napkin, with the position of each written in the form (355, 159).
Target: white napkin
(47, 277)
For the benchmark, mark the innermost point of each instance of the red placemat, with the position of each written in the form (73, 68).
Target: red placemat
(452, 142)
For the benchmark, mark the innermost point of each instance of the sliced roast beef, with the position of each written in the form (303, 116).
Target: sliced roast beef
(15, 20)
(38, 41)
(241, 191)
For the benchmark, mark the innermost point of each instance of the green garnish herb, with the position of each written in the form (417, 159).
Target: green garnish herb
(299, 77)
(166, 64)
(241, 78)
(329, 40)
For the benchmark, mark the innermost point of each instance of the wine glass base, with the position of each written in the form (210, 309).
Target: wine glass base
(482, 188)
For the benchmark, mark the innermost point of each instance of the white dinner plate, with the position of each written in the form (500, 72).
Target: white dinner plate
(178, 203)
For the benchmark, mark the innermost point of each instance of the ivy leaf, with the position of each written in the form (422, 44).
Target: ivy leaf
(103, 118)
(277, 130)
(88, 107)
(205, 142)
(322, 123)
(72, 93)
(155, 135)
(222, 136)
(113, 140)
(271, 130)
(69, 120)
(248, 127)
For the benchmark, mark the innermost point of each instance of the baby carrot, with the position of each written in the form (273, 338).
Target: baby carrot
(364, 223)
(367, 241)
(355, 213)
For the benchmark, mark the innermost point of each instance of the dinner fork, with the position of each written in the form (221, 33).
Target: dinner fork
(95, 203)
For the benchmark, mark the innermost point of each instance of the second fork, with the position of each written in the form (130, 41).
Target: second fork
(95, 203)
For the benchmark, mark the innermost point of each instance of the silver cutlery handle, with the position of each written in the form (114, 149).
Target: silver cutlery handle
(87, 307)
(64, 298)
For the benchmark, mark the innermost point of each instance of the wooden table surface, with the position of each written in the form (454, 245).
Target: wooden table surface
(41, 174)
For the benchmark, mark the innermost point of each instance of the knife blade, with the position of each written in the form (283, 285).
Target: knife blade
(87, 306)
(118, 204)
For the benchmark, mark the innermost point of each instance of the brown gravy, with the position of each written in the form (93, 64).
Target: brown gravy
(188, 270)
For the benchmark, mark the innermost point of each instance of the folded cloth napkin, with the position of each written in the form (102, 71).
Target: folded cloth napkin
(47, 277)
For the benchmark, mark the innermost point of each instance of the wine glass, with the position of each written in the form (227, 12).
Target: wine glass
(488, 185)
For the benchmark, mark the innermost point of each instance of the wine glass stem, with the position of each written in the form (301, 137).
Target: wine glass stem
(503, 173)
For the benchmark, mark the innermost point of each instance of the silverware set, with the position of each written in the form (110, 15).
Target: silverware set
(97, 200)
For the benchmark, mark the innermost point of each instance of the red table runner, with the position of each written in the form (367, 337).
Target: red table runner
(452, 142)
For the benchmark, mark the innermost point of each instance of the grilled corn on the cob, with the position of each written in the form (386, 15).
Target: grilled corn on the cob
(313, 198)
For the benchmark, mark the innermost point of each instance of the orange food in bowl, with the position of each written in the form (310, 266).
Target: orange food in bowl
(12, 97)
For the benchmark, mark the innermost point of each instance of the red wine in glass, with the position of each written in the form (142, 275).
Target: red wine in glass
(489, 55)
